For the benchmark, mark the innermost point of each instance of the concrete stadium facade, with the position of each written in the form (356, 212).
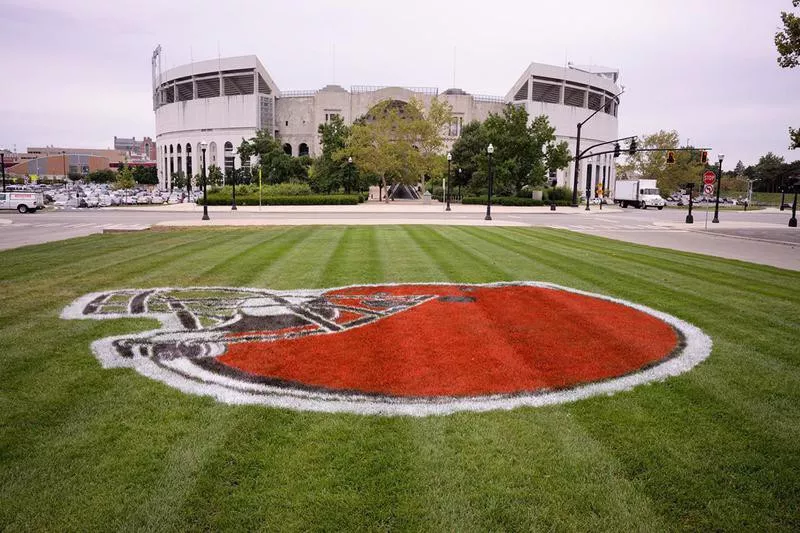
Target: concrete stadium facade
(224, 100)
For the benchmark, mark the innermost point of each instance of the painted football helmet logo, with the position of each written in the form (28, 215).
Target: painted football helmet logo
(413, 349)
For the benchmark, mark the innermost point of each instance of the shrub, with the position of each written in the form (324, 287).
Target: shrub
(252, 199)
(560, 193)
(509, 201)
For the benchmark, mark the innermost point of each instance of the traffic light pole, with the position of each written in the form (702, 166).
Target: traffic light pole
(578, 146)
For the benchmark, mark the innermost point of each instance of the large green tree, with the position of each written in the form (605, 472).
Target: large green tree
(653, 165)
(787, 41)
(124, 178)
(524, 153)
(397, 142)
(276, 165)
(327, 173)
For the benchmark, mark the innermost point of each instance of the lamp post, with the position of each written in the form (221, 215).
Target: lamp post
(793, 220)
(489, 152)
(447, 183)
(578, 151)
(203, 146)
(719, 186)
(689, 217)
(233, 178)
(783, 192)
(3, 169)
(588, 187)
(350, 172)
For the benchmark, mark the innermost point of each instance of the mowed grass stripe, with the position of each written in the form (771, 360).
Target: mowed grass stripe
(452, 261)
(356, 259)
(716, 448)
(302, 262)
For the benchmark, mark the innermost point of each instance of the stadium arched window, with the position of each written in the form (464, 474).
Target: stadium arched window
(302, 149)
(230, 156)
(170, 148)
(179, 148)
(287, 149)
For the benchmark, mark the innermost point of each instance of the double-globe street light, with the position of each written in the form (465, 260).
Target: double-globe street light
(203, 146)
(489, 152)
(719, 186)
(447, 183)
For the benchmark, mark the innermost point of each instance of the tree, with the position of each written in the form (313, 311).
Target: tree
(329, 174)
(124, 178)
(396, 141)
(787, 41)
(102, 176)
(214, 176)
(739, 169)
(276, 165)
(770, 171)
(178, 180)
(653, 165)
(524, 153)
(145, 175)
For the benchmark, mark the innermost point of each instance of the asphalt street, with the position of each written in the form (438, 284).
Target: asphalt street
(755, 236)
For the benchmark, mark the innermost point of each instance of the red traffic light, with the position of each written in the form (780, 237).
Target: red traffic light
(704, 157)
(670, 157)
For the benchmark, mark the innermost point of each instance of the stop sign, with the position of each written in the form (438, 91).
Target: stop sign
(709, 177)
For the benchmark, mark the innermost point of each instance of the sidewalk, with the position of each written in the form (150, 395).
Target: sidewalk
(371, 207)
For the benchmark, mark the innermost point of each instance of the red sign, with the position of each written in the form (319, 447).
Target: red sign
(709, 177)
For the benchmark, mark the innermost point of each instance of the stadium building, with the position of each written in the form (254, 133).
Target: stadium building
(222, 101)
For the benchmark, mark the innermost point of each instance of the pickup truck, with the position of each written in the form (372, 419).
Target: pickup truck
(24, 202)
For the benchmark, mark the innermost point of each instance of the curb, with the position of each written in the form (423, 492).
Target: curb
(742, 237)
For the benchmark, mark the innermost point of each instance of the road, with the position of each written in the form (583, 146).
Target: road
(755, 236)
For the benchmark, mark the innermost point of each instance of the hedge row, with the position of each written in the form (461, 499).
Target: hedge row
(510, 201)
(252, 199)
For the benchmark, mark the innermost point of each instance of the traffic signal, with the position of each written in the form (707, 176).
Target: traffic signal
(704, 157)
(616, 149)
(670, 157)
(632, 147)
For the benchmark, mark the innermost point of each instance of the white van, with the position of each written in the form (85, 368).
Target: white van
(24, 202)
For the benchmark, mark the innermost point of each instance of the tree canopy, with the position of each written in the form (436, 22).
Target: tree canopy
(398, 142)
(524, 153)
(787, 41)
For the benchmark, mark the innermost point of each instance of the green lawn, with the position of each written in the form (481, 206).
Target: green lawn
(84, 449)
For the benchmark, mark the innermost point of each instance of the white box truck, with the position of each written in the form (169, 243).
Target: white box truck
(24, 202)
(640, 194)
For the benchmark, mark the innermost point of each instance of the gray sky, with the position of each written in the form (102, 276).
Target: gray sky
(77, 73)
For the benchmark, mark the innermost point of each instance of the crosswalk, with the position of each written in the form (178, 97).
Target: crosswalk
(87, 225)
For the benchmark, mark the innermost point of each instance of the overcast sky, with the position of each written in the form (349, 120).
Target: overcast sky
(76, 73)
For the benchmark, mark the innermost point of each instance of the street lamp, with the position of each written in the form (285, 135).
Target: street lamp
(719, 186)
(783, 192)
(689, 217)
(447, 183)
(233, 178)
(795, 186)
(3, 169)
(203, 146)
(490, 151)
(578, 151)
(350, 172)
